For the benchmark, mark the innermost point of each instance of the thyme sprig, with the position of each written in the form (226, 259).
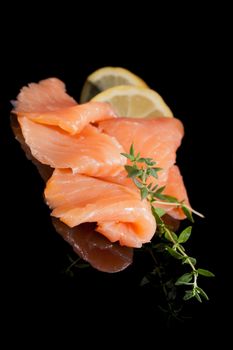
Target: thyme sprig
(141, 171)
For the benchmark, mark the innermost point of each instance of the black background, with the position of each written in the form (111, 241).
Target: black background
(34, 254)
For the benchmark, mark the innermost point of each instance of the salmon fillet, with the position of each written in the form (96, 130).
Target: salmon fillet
(86, 242)
(156, 138)
(175, 187)
(90, 152)
(89, 183)
(48, 103)
(119, 212)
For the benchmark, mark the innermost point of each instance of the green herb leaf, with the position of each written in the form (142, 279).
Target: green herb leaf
(201, 291)
(131, 151)
(174, 247)
(161, 189)
(144, 281)
(170, 199)
(168, 234)
(188, 295)
(186, 278)
(158, 220)
(197, 296)
(154, 172)
(83, 265)
(144, 192)
(137, 157)
(165, 197)
(187, 260)
(181, 247)
(205, 273)
(159, 247)
(187, 212)
(174, 236)
(160, 196)
(185, 234)
(138, 183)
(160, 212)
(149, 161)
(174, 253)
(128, 156)
(132, 171)
(141, 160)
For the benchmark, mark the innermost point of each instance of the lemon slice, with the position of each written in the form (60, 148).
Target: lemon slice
(135, 101)
(107, 77)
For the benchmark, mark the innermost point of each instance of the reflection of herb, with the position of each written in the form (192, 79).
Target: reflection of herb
(78, 263)
(140, 171)
(161, 280)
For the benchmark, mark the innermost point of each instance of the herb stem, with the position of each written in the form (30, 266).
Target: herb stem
(72, 264)
(178, 205)
(144, 177)
(187, 257)
(157, 199)
(195, 279)
(153, 256)
(195, 212)
(180, 250)
(161, 281)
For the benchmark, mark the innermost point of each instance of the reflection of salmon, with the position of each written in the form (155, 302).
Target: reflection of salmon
(48, 103)
(90, 152)
(119, 212)
(95, 248)
(45, 171)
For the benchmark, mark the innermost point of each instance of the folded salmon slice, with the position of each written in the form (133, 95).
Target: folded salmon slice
(90, 152)
(45, 171)
(156, 138)
(86, 242)
(118, 211)
(48, 103)
(175, 187)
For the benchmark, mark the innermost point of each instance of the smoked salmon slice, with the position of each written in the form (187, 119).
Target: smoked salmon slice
(86, 242)
(48, 103)
(175, 187)
(156, 138)
(89, 183)
(119, 212)
(89, 152)
(45, 171)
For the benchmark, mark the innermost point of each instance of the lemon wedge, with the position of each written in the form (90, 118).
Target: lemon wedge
(107, 77)
(134, 101)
